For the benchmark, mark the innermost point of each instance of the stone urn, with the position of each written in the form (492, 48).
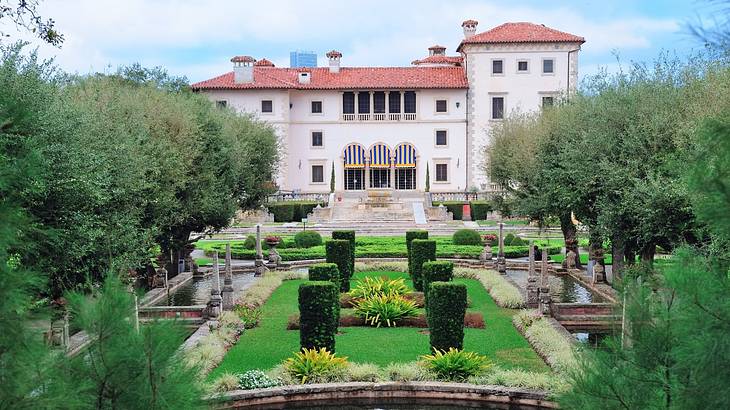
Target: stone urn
(273, 242)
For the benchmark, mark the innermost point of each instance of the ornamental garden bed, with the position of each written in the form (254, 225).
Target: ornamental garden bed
(267, 345)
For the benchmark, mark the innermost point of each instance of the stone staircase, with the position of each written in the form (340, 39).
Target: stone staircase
(374, 206)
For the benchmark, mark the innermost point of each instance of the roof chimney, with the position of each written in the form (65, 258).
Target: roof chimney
(470, 27)
(437, 50)
(242, 69)
(334, 57)
(304, 77)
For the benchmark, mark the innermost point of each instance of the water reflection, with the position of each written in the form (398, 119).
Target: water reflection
(197, 291)
(563, 288)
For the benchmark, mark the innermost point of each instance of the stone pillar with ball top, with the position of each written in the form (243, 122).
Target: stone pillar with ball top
(227, 295)
(533, 299)
(544, 284)
(259, 266)
(501, 262)
(214, 306)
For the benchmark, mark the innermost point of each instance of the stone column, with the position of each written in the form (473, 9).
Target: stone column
(501, 262)
(214, 306)
(259, 267)
(228, 281)
(533, 298)
(544, 284)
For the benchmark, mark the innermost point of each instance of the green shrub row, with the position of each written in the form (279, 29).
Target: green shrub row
(318, 317)
(411, 235)
(479, 209)
(435, 271)
(290, 211)
(422, 250)
(338, 252)
(446, 310)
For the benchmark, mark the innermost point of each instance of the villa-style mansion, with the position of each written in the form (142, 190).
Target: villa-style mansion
(382, 127)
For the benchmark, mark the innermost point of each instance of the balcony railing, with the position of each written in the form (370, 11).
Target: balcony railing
(380, 117)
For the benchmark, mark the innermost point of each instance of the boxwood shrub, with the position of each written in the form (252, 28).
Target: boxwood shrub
(411, 235)
(249, 243)
(447, 307)
(455, 207)
(508, 239)
(318, 317)
(480, 210)
(436, 271)
(325, 272)
(467, 237)
(290, 211)
(307, 239)
(338, 252)
(422, 250)
(350, 236)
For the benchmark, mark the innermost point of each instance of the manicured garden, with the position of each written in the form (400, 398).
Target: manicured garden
(269, 344)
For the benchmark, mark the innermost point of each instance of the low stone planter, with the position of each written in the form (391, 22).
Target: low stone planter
(415, 392)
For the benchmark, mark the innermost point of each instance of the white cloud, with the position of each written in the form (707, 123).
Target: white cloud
(378, 32)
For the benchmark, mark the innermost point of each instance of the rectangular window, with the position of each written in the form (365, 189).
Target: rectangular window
(317, 174)
(363, 102)
(497, 67)
(316, 107)
(522, 66)
(548, 66)
(442, 172)
(379, 102)
(409, 102)
(441, 106)
(317, 139)
(394, 102)
(547, 101)
(497, 108)
(221, 104)
(441, 139)
(348, 102)
(267, 106)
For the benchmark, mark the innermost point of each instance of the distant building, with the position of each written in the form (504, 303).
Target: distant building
(302, 59)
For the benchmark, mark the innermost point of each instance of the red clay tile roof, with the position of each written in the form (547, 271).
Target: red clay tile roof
(263, 63)
(439, 59)
(348, 78)
(522, 33)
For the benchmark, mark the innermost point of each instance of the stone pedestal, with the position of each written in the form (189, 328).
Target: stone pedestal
(227, 294)
(545, 301)
(599, 273)
(214, 305)
(486, 256)
(259, 267)
(501, 261)
(532, 287)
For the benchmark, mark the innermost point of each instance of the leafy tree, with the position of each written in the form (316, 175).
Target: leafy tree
(24, 13)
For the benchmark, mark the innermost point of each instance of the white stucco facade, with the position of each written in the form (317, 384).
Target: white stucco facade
(463, 121)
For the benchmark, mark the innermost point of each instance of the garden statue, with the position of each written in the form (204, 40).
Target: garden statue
(273, 242)
(227, 294)
(259, 267)
(486, 254)
(570, 260)
(599, 273)
(160, 277)
(533, 297)
(501, 262)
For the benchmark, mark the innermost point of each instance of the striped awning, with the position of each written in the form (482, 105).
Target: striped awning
(405, 156)
(354, 156)
(379, 156)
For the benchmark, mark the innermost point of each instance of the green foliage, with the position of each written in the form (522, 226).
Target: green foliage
(318, 315)
(350, 236)
(455, 207)
(250, 316)
(385, 309)
(250, 242)
(290, 211)
(517, 241)
(370, 286)
(325, 272)
(307, 239)
(455, 365)
(446, 310)
(467, 237)
(422, 250)
(338, 252)
(480, 210)
(436, 271)
(256, 379)
(411, 235)
(313, 365)
(508, 239)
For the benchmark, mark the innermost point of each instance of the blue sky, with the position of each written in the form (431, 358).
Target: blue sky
(197, 38)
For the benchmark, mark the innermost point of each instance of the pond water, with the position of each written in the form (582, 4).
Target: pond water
(563, 288)
(591, 338)
(197, 290)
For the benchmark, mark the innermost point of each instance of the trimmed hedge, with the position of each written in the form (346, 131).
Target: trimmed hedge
(479, 209)
(350, 236)
(436, 271)
(467, 237)
(318, 317)
(307, 239)
(411, 235)
(447, 307)
(455, 207)
(508, 239)
(422, 251)
(338, 252)
(290, 211)
(326, 272)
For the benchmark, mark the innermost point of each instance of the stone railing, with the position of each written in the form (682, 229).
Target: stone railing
(380, 117)
(298, 196)
(493, 190)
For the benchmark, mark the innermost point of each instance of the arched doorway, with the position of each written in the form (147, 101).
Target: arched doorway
(405, 166)
(380, 161)
(354, 161)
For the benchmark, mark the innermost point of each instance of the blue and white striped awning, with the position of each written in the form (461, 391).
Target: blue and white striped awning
(354, 156)
(379, 156)
(405, 156)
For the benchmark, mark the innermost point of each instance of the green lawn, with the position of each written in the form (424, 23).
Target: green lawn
(268, 345)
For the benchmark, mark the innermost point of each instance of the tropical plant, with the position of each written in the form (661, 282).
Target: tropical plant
(385, 309)
(256, 379)
(250, 316)
(312, 365)
(454, 364)
(373, 286)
